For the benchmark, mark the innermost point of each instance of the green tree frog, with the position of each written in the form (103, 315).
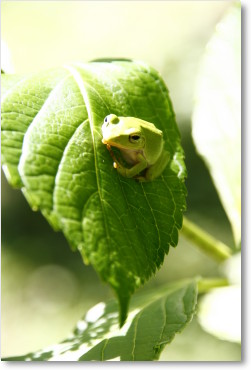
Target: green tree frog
(140, 143)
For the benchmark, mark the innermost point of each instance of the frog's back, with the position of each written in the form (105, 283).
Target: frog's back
(154, 145)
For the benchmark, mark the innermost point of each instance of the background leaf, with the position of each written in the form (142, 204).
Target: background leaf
(219, 311)
(217, 114)
(154, 320)
(51, 143)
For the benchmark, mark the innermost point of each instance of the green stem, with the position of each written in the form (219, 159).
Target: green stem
(204, 285)
(205, 242)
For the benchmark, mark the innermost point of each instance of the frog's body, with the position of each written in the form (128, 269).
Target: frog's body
(140, 143)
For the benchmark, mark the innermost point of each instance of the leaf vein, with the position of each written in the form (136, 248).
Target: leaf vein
(81, 85)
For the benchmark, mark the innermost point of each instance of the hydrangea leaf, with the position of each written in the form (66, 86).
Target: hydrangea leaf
(52, 149)
(154, 320)
(217, 114)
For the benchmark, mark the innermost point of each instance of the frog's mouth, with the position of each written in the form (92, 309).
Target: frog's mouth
(116, 145)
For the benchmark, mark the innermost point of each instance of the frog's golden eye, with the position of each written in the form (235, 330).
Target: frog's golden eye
(134, 138)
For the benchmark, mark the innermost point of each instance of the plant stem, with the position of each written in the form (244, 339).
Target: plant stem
(205, 242)
(204, 285)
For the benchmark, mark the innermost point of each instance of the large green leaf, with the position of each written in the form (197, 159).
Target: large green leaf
(51, 147)
(154, 320)
(217, 114)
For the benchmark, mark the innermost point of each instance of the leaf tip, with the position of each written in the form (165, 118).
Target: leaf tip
(123, 309)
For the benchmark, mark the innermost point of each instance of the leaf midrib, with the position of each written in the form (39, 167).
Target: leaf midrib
(79, 81)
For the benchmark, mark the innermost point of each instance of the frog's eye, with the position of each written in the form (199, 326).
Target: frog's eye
(134, 138)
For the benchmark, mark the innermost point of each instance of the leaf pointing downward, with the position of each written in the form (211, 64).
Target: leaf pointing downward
(51, 145)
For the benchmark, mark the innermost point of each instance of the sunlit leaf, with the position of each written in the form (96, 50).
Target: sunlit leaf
(220, 313)
(153, 321)
(219, 310)
(217, 114)
(52, 149)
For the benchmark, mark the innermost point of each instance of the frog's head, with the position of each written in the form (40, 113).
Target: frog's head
(123, 132)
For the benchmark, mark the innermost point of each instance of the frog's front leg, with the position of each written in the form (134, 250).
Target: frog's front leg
(133, 171)
(116, 162)
(109, 148)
